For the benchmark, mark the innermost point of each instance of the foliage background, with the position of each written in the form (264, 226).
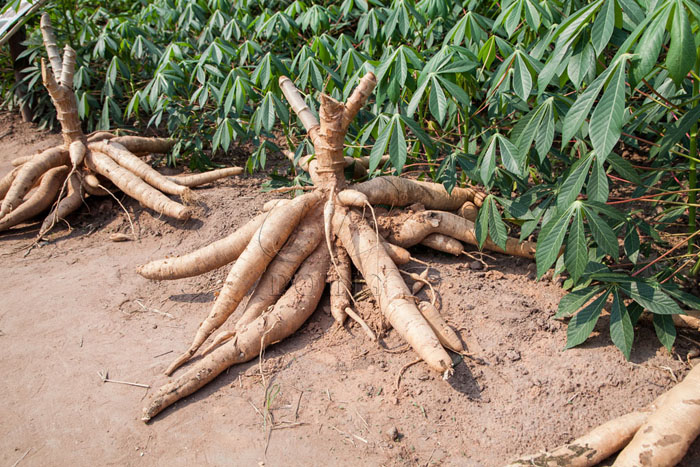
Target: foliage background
(580, 117)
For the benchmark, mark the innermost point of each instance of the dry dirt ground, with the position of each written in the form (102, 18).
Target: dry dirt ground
(75, 307)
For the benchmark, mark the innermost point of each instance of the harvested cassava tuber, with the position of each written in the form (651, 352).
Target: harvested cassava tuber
(334, 221)
(205, 177)
(113, 157)
(469, 211)
(443, 243)
(39, 200)
(288, 314)
(447, 336)
(658, 435)
(410, 230)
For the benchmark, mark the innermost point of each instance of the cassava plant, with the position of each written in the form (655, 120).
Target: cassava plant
(82, 165)
(317, 235)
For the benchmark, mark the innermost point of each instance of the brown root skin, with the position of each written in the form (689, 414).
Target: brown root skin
(135, 187)
(443, 243)
(269, 205)
(126, 159)
(205, 259)
(93, 186)
(140, 144)
(398, 255)
(353, 198)
(669, 431)
(99, 136)
(410, 230)
(195, 180)
(66, 206)
(469, 211)
(290, 312)
(447, 336)
(21, 160)
(388, 287)
(263, 247)
(398, 192)
(39, 200)
(592, 448)
(6, 181)
(29, 173)
(341, 285)
(279, 272)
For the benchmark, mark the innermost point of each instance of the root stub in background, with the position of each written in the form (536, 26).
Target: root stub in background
(87, 161)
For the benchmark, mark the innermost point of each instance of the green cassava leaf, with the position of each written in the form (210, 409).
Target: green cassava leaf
(621, 328)
(682, 52)
(607, 117)
(576, 254)
(582, 324)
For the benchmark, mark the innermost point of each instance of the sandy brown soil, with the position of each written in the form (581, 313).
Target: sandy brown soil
(75, 307)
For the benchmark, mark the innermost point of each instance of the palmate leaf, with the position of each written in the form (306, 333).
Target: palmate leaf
(550, 241)
(438, 101)
(602, 233)
(489, 223)
(582, 324)
(651, 297)
(665, 330)
(576, 254)
(487, 162)
(571, 187)
(603, 26)
(573, 301)
(649, 46)
(607, 118)
(682, 51)
(497, 228)
(522, 80)
(598, 188)
(621, 328)
(510, 156)
(397, 146)
(583, 105)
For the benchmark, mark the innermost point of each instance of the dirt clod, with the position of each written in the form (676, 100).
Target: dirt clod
(393, 433)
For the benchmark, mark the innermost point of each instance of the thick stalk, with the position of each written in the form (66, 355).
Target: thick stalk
(692, 184)
(58, 81)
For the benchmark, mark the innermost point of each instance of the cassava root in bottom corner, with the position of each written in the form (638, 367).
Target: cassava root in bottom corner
(113, 157)
(658, 435)
(345, 217)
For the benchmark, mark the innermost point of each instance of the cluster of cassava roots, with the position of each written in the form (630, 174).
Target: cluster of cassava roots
(286, 255)
(61, 177)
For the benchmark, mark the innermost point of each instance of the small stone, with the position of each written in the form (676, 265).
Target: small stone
(155, 326)
(513, 355)
(393, 433)
(495, 275)
(424, 377)
(476, 266)
(119, 237)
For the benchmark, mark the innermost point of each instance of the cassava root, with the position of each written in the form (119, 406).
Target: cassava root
(112, 157)
(658, 435)
(338, 223)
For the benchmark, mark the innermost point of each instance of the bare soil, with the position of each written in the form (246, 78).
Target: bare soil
(75, 307)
